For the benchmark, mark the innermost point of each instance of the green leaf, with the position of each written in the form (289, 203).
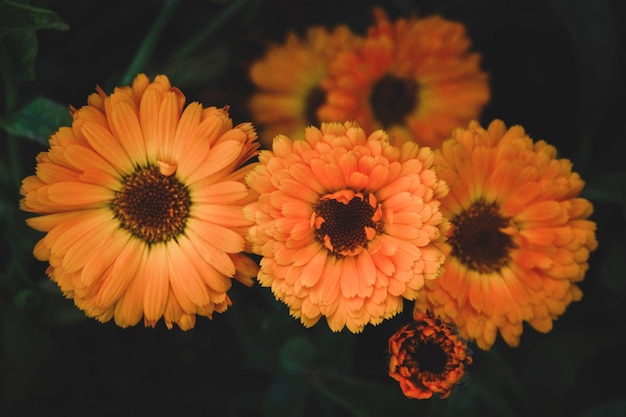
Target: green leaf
(37, 120)
(22, 18)
(297, 354)
(60, 310)
(19, 53)
(18, 39)
(23, 300)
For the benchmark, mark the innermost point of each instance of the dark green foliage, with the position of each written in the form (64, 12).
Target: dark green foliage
(554, 69)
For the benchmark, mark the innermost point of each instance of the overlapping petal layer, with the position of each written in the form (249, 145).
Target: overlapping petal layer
(417, 78)
(288, 81)
(141, 200)
(520, 237)
(428, 358)
(347, 225)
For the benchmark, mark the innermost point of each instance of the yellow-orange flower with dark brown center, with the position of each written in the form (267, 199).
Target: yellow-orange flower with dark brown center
(288, 81)
(428, 358)
(416, 78)
(348, 226)
(520, 234)
(142, 203)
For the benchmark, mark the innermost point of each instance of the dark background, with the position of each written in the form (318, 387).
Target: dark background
(555, 67)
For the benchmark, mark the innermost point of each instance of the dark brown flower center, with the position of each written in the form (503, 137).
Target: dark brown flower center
(152, 206)
(426, 355)
(392, 99)
(345, 221)
(477, 238)
(314, 100)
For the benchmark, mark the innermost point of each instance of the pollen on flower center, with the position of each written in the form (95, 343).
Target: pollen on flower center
(345, 221)
(392, 99)
(152, 206)
(477, 238)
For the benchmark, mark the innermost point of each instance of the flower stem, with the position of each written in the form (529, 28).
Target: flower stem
(337, 399)
(199, 38)
(10, 98)
(149, 42)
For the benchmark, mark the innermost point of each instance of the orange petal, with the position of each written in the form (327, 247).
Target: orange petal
(157, 283)
(125, 125)
(108, 147)
(189, 120)
(221, 155)
(349, 277)
(187, 284)
(97, 266)
(77, 194)
(215, 257)
(312, 271)
(148, 119)
(123, 271)
(84, 159)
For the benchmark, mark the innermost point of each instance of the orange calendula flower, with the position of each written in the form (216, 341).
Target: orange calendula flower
(427, 357)
(347, 225)
(142, 203)
(520, 236)
(288, 81)
(415, 78)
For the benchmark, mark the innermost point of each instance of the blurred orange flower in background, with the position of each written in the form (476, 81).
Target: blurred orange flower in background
(416, 78)
(288, 81)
